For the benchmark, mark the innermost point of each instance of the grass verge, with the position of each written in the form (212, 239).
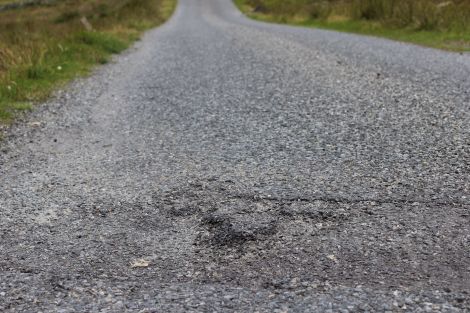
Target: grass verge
(41, 48)
(443, 24)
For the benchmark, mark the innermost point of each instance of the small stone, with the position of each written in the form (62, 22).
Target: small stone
(140, 263)
(35, 124)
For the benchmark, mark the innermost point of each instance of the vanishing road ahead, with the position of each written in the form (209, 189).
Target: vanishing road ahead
(224, 164)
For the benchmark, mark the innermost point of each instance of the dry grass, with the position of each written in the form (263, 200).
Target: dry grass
(42, 47)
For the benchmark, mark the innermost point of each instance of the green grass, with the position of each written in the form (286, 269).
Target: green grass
(43, 48)
(451, 41)
(452, 38)
(102, 41)
(35, 81)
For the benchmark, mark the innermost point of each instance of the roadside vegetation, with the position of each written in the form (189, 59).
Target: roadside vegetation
(435, 23)
(42, 47)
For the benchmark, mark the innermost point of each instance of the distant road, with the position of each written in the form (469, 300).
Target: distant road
(229, 165)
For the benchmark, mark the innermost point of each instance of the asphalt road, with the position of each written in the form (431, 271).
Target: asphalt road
(224, 164)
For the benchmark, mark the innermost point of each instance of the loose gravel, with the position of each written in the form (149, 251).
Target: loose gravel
(224, 165)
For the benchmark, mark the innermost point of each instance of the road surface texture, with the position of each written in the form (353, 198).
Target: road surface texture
(224, 164)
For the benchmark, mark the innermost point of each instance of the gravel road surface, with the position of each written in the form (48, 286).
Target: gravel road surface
(225, 165)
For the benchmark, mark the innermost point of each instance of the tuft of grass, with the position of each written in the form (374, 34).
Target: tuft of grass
(37, 72)
(43, 47)
(66, 17)
(104, 41)
(433, 23)
(22, 106)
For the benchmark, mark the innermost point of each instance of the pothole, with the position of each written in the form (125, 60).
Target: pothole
(232, 231)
